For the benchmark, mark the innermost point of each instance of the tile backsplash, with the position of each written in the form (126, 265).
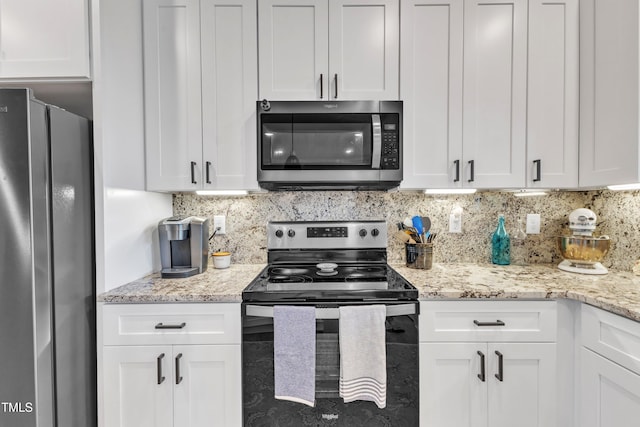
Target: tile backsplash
(246, 217)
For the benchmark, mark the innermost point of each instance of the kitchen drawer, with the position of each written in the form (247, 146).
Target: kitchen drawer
(614, 337)
(491, 321)
(156, 324)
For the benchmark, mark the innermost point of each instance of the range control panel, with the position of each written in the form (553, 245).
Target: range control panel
(326, 235)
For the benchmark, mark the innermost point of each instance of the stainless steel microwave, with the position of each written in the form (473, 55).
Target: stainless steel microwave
(320, 145)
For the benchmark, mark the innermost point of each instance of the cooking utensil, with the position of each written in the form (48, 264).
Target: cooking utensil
(426, 223)
(417, 224)
(407, 222)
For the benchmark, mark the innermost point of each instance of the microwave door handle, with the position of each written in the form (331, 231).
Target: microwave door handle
(377, 141)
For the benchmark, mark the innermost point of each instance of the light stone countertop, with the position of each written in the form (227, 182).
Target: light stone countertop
(618, 292)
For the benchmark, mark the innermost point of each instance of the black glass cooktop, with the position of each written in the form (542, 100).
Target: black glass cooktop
(304, 282)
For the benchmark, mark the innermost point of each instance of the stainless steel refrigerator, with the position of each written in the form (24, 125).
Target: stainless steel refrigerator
(47, 268)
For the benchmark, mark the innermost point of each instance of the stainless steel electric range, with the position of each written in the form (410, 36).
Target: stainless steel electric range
(328, 265)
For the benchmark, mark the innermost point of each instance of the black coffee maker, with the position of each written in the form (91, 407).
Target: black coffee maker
(184, 246)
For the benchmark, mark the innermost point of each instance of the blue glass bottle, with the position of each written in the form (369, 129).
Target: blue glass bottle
(501, 244)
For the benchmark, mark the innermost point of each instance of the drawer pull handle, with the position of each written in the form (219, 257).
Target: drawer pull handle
(481, 374)
(163, 326)
(496, 323)
(500, 374)
(159, 368)
(178, 377)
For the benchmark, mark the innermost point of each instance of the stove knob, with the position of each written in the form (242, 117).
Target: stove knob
(375, 232)
(363, 233)
(291, 233)
(279, 233)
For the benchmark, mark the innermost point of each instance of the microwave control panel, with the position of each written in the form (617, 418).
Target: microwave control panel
(390, 158)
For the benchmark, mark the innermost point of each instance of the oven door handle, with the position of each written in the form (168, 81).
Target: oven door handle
(331, 313)
(377, 141)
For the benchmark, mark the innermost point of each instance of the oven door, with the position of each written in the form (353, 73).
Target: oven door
(260, 408)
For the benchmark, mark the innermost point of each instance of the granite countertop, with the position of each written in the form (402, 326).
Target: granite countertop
(618, 292)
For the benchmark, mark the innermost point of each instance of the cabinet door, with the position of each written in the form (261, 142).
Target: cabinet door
(526, 396)
(609, 102)
(229, 93)
(364, 49)
(293, 49)
(44, 38)
(451, 391)
(132, 395)
(495, 90)
(173, 124)
(207, 386)
(431, 73)
(610, 394)
(553, 88)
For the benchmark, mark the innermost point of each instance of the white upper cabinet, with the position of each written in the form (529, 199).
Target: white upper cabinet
(294, 42)
(495, 93)
(331, 50)
(431, 76)
(609, 98)
(553, 94)
(44, 39)
(200, 93)
(173, 120)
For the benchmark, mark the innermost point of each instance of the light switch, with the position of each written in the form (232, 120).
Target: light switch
(533, 223)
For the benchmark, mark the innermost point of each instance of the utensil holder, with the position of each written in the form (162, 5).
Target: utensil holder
(419, 255)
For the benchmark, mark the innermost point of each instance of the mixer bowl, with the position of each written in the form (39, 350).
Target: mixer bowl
(583, 250)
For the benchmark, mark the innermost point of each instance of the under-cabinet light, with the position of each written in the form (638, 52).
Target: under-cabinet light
(527, 193)
(222, 192)
(450, 191)
(624, 187)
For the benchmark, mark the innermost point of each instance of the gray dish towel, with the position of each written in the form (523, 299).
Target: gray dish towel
(294, 353)
(363, 356)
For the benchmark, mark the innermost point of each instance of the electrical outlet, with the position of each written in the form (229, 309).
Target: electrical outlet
(455, 220)
(219, 224)
(533, 223)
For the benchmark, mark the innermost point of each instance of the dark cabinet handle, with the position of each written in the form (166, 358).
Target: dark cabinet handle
(159, 368)
(538, 173)
(321, 84)
(500, 374)
(457, 163)
(207, 171)
(481, 375)
(193, 173)
(496, 323)
(473, 172)
(178, 377)
(335, 85)
(163, 326)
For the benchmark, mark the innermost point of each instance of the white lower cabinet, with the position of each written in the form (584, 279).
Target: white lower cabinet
(610, 370)
(191, 379)
(476, 378)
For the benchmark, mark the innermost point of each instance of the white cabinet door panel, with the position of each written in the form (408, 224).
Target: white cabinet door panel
(44, 38)
(526, 395)
(495, 93)
(209, 390)
(363, 49)
(173, 123)
(132, 395)
(431, 74)
(610, 394)
(293, 49)
(553, 91)
(451, 393)
(229, 93)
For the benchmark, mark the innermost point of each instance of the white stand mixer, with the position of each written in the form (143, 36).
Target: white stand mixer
(582, 252)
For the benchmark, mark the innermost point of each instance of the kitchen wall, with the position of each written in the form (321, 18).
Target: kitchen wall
(618, 216)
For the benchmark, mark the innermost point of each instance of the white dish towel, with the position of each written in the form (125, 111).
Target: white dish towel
(294, 353)
(363, 357)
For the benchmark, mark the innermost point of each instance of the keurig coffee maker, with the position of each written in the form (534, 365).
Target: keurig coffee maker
(184, 246)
